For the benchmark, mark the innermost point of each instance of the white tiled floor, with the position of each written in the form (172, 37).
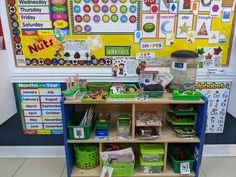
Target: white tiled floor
(55, 167)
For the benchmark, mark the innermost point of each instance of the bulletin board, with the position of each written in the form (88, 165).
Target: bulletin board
(74, 33)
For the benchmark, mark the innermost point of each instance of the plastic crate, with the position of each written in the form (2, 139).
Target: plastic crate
(86, 155)
(126, 169)
(151, 167)
(153, 94)
(76, 131)
(176, 163)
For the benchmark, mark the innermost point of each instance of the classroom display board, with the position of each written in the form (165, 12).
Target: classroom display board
(72, 33)
(218, 96)
(40, 108)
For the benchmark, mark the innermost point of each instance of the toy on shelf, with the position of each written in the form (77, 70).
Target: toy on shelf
(148, 132)
(120, 90)
(123, 126)
(95, 96)
(102, 126)
(73, 90)
(181, 119)
(186, 95)
(184, 131)
(182, 109)
(148, 119)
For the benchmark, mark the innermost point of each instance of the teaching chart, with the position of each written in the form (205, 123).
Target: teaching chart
(74, 33)
(217, 94)
(40, 107)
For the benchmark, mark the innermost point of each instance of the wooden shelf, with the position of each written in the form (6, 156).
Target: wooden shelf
(166, 99)
(76, 172)
(167, 135)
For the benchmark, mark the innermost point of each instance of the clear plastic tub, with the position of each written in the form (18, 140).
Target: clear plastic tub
(151, 167)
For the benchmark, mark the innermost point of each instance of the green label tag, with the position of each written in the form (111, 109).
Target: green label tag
(117, 50)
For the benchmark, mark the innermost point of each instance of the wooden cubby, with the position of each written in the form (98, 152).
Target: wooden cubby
(131, 106)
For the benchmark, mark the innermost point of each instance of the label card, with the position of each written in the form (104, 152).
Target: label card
(149, 22)
(226, 15)
(166, 25)
(184, 168)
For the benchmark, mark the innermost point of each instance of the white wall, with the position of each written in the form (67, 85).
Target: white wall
(7, 98)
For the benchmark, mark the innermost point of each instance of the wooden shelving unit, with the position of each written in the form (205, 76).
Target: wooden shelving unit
(131, 106)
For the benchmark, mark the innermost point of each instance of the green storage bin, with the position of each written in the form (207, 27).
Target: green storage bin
(153, 94)
(176, 95)
(86, 155)
(105, 86)
(126, 169)
(152, 152)
(76, 131)
(127, 95)
(184, 120)
(176, 163)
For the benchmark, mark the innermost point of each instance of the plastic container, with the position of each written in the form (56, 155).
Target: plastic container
(76, 131)
(105, 86)
(152, 152)
(184, 69)
(151, 167)
(86, 155)
(102, 132)
(127, 95)
(153, 94)
(126, 169)
(123, 125)
(175, 163)
(195, 96)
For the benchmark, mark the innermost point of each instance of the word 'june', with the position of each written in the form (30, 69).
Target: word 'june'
(40, 46)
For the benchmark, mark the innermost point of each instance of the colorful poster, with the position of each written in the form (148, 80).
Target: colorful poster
(185, 24)
(40, 107)
(218, 95)
(166, 25)
(149, 25)
(203, 26)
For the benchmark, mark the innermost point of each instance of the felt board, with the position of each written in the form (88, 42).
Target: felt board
(76, 33)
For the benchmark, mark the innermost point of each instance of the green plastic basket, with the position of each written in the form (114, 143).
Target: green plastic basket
(87, 155)
(153, 94)
(76, 131)
(126, 169)
(105, 86)
(151, 149)
(176, 95)
(176, 164)
(127, 95)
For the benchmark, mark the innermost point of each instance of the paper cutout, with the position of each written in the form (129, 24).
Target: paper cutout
(149, 22)
(156, 45)
(214, 37)
(170, 39)
(138, 35)
(215, 8)
(167, 24)
(195, 7)
(210, 57)
(146, 5)
(226, 15)
(191, 37)
(203, 26)
(222, 38)
(184, 5)
(164, 5)
(185, 22)
(94, 42)
(173, 7)
(205, 5)
(154, 8)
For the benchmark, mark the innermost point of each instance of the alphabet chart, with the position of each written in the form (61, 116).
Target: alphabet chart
(218, 95)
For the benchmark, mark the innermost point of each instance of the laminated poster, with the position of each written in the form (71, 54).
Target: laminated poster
(218, 95)
(40, 107)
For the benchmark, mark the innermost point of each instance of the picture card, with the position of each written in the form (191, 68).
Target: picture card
(185, 24)
(173, 7)
(203, 26)
(164, 5)
(195, 7)
(146, 55)
(191, 37)
(124, 67)
(226, 15)
(138, 35)
(167, 24)
(215, 8)
(154, 8)
(170, 37)
(184, 5)
(149, 28)
(204, 5)
(214, 37)
(106, 171)
(146, 5)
